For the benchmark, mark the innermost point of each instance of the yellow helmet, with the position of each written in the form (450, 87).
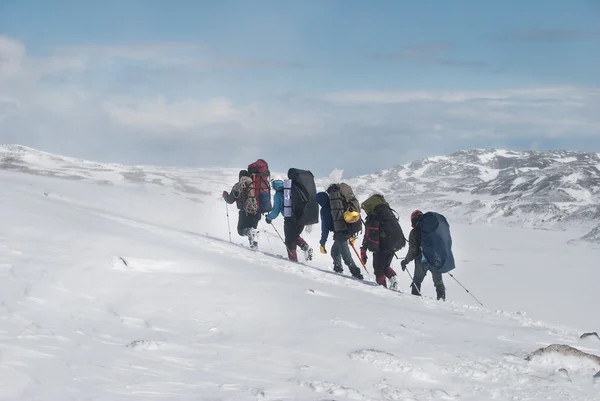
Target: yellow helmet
(351, 217)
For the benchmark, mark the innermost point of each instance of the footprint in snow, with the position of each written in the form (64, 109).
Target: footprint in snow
(346, 323)
(313, 292)
(333, 389)
(389, 362)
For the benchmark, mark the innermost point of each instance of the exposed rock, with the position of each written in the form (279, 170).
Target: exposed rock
(564, 350)
(586, 335)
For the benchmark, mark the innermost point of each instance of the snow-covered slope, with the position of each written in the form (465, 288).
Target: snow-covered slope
(186, 315)
(555, 190)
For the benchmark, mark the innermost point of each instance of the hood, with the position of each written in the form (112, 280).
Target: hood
(277, 185)
(323, 200)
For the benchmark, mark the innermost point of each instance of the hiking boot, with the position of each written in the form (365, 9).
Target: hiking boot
(355, 271)
(393, 283)
(416, 289)
(253, 238)
(338, 269)
(440, 292)
(292, 255)
(308, 251)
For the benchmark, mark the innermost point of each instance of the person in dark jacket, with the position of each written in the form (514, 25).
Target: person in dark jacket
(382, 260)
(340, 249)
(247, 222)
(414, 253)
(291, 230)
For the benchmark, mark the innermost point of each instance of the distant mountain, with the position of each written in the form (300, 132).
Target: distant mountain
(555, 190)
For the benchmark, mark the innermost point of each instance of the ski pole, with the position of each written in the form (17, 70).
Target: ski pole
(465, 289)
(228, 224)
(358, 256)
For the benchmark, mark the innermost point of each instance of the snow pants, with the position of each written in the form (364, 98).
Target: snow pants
(419, 276)
(340, 250)
(247, 222)
(292, 231)
(382, 262)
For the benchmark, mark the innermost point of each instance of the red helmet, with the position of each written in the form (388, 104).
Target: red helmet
(415, 216)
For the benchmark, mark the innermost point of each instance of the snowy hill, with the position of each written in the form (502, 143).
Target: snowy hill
(120, 283)
(553, 190)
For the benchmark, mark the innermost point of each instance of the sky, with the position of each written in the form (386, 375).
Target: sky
(313, 84)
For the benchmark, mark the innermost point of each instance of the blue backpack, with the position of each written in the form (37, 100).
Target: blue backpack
(436, 243)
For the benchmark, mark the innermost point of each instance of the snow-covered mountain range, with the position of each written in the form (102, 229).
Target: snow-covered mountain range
(553, 190)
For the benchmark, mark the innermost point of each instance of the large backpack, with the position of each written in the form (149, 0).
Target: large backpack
(301, 190)
(345, 208)
(247, 195)
(261, 183)
(382, 228)
(436, 243)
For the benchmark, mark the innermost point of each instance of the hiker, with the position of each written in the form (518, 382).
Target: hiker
(291, 227)
(342, 231)
(383, 237)
(249, 216)
(414, 253)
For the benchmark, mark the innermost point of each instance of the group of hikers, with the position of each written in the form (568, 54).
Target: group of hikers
(297, 199)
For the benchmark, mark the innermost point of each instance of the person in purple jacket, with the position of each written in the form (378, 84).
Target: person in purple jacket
(340, 249)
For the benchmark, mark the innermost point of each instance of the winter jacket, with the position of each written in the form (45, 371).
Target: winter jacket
(414, 245)
(277, 201)
(326, 217)
(234, 196)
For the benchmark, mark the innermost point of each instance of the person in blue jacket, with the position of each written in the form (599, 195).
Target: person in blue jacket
(292, 237)
(340, 249)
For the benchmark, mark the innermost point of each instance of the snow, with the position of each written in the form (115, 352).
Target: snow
(133, 291)
(488, 174)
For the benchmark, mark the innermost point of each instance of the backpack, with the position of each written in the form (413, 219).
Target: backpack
(247, 195)
(345, 208)
(382, 228)
(436, 243)
(261, 183)
(300, 196)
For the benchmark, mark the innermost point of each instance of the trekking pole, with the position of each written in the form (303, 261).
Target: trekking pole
(465, 289)
(358, 256)
(282, 240)
(280, 237)
(412, 282)
(228, 225)
(263, 226)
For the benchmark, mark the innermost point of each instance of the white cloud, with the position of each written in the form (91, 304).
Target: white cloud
(562, 94)
(158, 113)
(69, 101)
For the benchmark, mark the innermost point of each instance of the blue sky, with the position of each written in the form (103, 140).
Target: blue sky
(178, 82)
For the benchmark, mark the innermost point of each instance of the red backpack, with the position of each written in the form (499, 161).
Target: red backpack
(259, 170)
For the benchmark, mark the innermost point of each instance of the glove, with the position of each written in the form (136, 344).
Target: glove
(363, 256)
(224, 194)
(403, 264)
(268, 220)
(323, 250)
